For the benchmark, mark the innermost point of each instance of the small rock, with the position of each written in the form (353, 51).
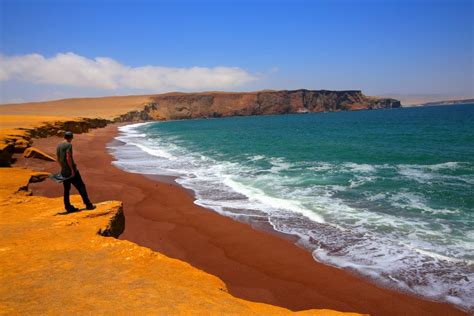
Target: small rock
(38, 177)
(21, 145)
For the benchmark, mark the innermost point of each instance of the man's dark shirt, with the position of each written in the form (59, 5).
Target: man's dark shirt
(61, 151)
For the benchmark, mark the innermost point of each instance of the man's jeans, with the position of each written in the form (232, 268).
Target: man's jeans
(80, 186)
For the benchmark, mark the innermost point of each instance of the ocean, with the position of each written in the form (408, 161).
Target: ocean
(387, 194)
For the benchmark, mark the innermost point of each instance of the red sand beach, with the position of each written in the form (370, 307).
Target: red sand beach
(255, 265)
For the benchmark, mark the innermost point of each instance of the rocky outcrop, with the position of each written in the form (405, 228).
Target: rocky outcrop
(11, 142)
(21, 144)
(18, 140)
(174, 106)
(58, 128)
(115, 226)
(143, 115)
(33, 152)
(6, 153)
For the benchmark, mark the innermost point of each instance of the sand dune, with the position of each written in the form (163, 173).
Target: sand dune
(104, 107)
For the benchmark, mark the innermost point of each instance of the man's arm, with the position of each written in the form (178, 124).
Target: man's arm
(69, 162)
(58, 161)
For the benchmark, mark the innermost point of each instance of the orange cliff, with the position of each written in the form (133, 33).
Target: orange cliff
(53, 262)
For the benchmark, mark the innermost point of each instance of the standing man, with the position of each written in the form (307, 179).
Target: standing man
(70, 172)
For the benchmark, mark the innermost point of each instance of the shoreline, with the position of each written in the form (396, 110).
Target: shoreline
(264, 226)
(255, 265)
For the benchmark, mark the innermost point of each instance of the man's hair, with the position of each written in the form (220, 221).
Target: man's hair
(68, 135)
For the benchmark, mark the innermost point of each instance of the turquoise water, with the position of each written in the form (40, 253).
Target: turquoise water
(387, 193)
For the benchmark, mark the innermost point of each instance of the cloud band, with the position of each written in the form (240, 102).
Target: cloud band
(69, 69)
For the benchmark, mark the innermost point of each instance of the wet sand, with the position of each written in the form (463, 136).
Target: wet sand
(254, 264)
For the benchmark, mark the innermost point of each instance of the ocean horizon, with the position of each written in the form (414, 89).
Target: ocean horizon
(386, 194)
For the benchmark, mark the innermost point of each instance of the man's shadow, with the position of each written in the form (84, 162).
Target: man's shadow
(73, 212)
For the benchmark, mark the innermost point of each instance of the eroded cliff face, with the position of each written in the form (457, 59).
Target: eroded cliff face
(173, 106)
(18, 140)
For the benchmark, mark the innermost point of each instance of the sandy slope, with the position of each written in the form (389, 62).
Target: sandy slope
(105, 107)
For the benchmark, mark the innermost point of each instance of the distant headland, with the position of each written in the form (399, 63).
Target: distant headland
(176, 105)
(448, 102)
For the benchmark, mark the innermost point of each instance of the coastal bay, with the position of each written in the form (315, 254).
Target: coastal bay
(239, 157)
(255, 265)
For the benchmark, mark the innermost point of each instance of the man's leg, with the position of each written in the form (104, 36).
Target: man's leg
(81, 187)
(67, 189)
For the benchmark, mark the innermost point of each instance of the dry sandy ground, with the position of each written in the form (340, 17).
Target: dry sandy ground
(105, 107)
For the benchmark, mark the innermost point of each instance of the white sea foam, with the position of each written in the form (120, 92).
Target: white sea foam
(154, 151)
(257, 157)
(427, 174)
(376, 197)
(131, 129)
(447, 165)
(443, 257)
(255, 194)
(278, 164)
(363, 168)
(409, 200)
(414, 173)
(357, 181)
(320, 166)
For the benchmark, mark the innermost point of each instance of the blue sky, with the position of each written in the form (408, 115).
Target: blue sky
(381, 47)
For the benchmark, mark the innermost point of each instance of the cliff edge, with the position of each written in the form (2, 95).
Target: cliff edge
(56, 263)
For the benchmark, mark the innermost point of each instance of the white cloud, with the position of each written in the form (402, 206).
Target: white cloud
(73, 70)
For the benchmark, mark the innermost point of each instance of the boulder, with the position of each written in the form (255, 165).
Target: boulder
(6, 153)
(33, 152)
(21, 145)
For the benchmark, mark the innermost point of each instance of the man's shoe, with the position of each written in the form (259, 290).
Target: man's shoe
(71, 209)
(91, 207)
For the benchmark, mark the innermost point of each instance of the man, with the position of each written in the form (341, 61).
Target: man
(72, 175)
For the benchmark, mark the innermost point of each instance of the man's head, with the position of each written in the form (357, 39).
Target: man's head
(68, 136)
